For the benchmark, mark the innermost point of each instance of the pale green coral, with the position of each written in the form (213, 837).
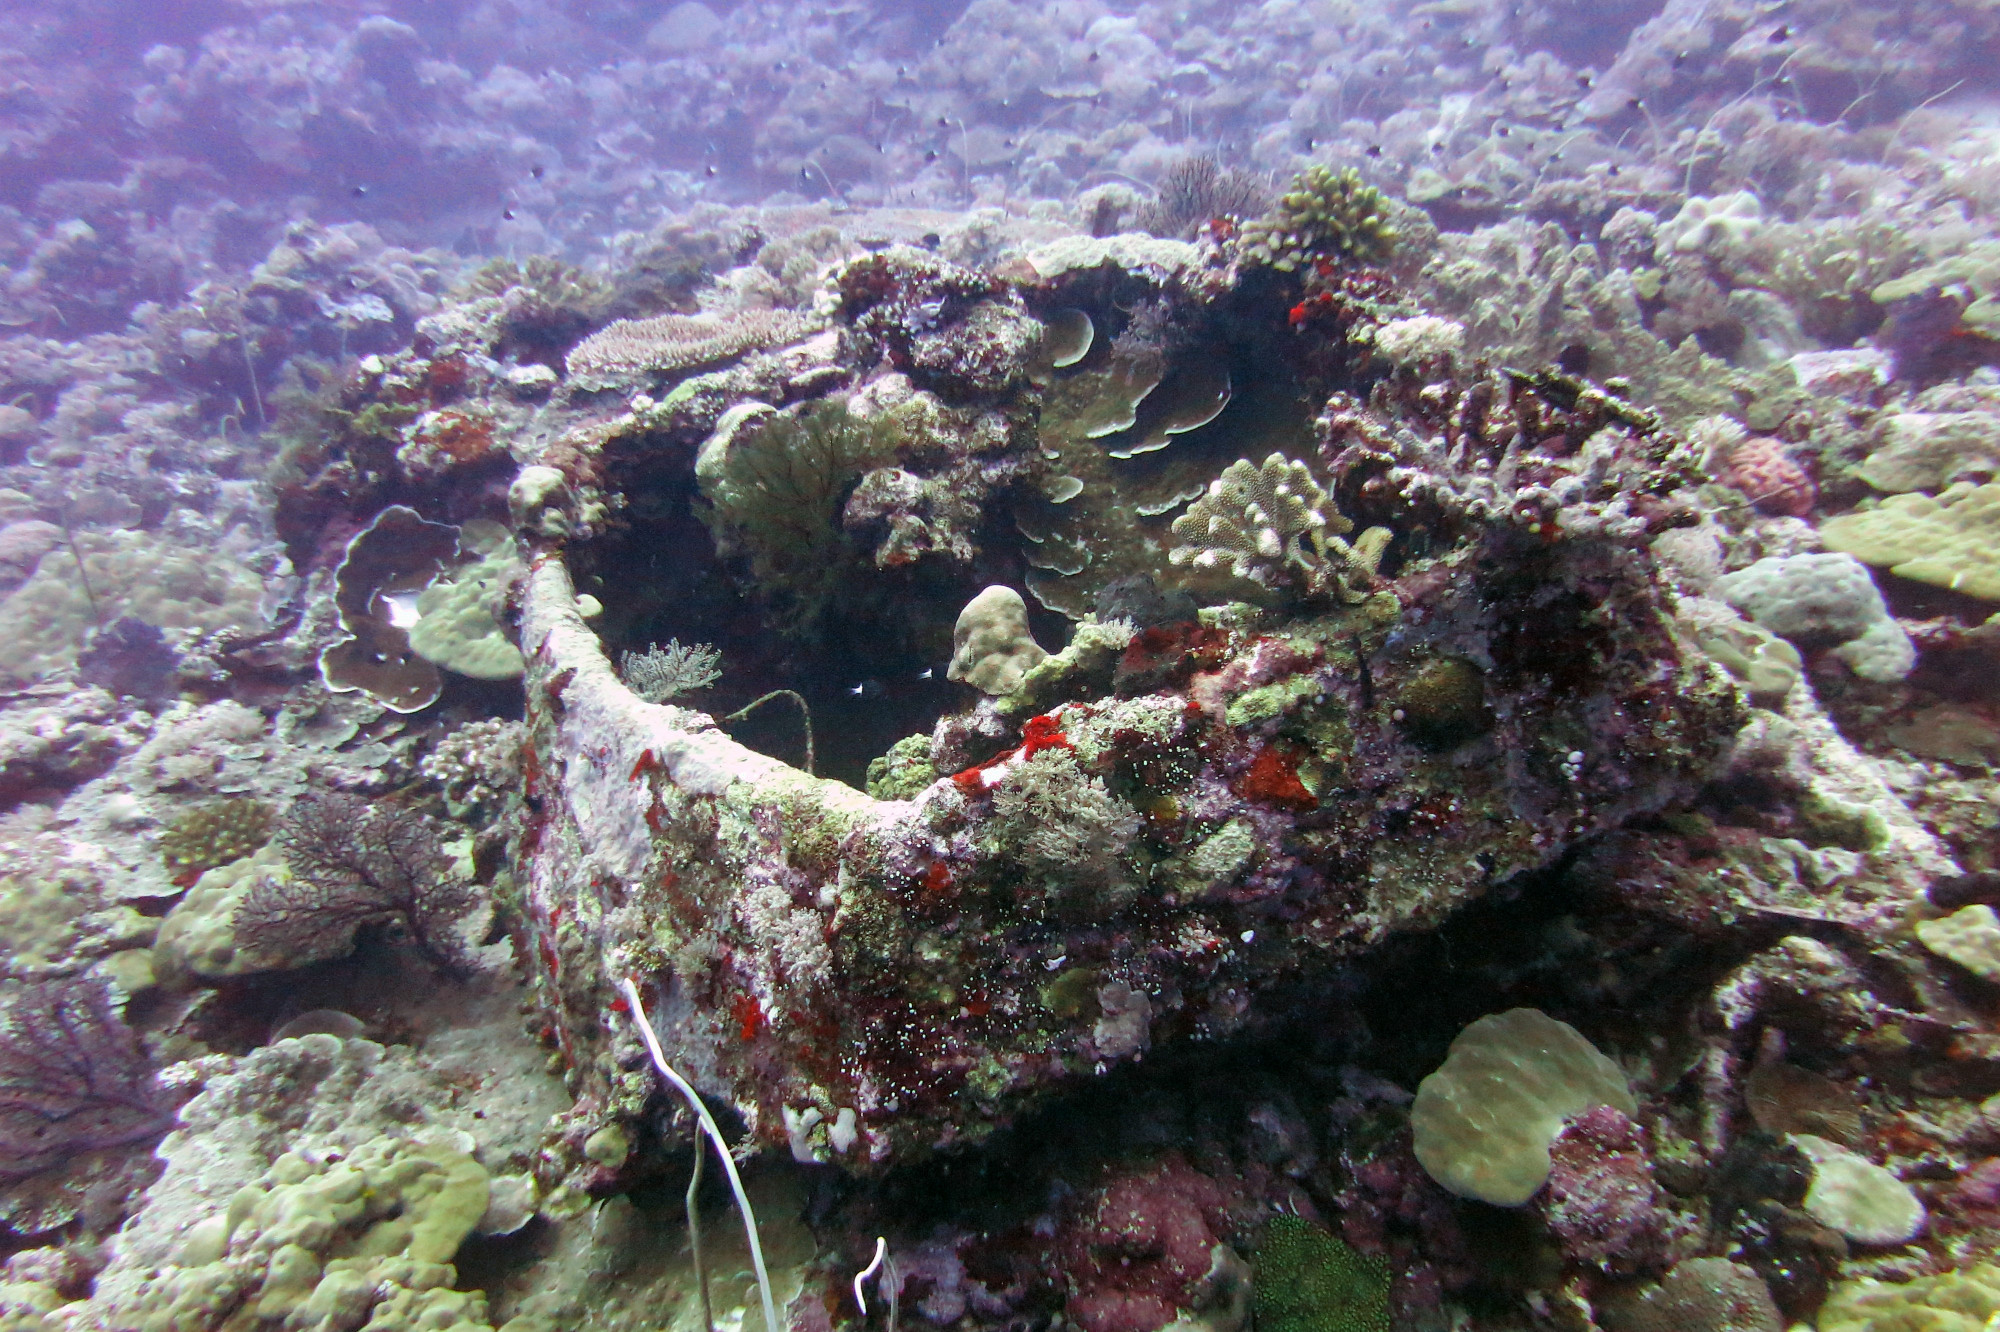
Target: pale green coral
(1961, 1301)
(459, 616)
(1326, 214)
(44, 621)
(1951, 540)
(323, 1242)
(904, 771)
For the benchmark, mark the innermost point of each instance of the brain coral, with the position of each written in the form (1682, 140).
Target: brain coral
(1484, 1120)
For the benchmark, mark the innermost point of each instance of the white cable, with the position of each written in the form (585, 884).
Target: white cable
(707, 1122)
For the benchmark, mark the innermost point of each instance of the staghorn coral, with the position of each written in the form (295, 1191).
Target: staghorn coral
(72, 1076)
(1276, 526)
(214, 834)
(358, 863)
(1326, 214)
(671, 343)
(662, 673)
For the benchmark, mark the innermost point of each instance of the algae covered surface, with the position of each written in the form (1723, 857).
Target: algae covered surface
(1011, 667)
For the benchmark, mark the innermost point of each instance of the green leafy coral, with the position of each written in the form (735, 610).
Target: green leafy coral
(775, 483)
(1326, 214)
(1308, 1281)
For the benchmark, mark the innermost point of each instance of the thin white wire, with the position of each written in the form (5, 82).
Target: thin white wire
(707, 1122)
(874, 1266)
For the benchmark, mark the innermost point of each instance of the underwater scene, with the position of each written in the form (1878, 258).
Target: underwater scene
(1000, 666)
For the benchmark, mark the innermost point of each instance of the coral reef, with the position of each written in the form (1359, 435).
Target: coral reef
(1559, 605)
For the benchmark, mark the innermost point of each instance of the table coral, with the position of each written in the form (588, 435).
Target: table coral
(673, 343)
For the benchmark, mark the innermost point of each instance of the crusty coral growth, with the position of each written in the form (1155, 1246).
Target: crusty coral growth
(477, 764)
(662, 673)
(671, 343)
(1197, 190)
(549, 304)
(72, 1076)
(1275, 525)
(1326, 214)
(215, 834)
(356, 863)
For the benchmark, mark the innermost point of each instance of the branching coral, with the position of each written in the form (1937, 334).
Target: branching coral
(1326, 214)
(358, 863)
(671, 343)
(72, 1076)
(662, 673)
(1276, 526)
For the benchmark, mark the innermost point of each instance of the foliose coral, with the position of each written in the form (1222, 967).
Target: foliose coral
(774, 485)
(1947, 541)
(1325, 214)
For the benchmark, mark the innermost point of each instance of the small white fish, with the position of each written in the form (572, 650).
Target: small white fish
(859, 689)
(926, 673)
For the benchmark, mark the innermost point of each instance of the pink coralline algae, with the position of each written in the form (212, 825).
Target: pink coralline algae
(1601, 1203)
(1145, 1251)
(1761, 468)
